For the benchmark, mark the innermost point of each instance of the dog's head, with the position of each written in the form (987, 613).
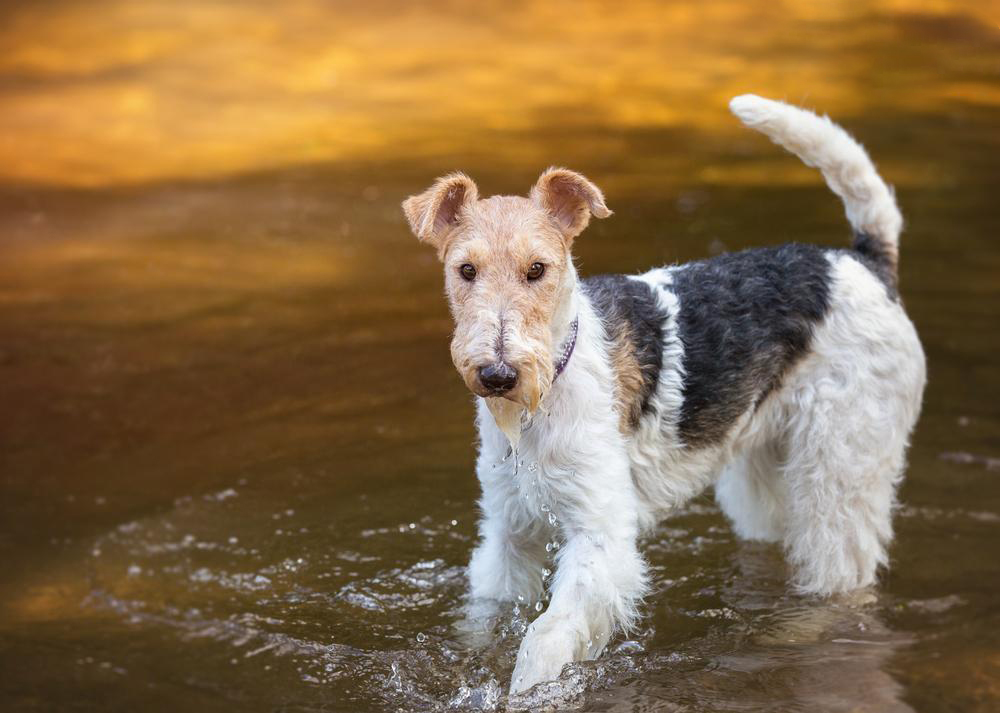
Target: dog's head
(508, 274)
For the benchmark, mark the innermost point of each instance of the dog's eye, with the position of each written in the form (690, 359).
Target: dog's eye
(536, 270)
(468, 272)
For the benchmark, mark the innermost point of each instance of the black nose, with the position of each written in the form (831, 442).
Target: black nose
(498, 378)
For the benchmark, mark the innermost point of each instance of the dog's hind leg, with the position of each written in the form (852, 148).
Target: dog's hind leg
(841, 486)
(751, 492)
(850, 412)
(846, 453)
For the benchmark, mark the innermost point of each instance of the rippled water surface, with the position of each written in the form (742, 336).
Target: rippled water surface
(235, 460)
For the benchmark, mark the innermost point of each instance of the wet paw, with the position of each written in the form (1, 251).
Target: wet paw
(547, 647)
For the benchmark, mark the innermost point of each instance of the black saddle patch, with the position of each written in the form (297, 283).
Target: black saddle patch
(745, 318)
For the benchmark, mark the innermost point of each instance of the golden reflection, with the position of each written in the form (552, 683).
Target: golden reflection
(139, 92)
(204, 273)
(179, 264)
(53, 600)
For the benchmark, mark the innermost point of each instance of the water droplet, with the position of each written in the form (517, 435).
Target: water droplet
(590, 644)
(520, 597)
(552, 519)
(421, 637)
(454, 522)
(538, 606)
(509, 451)
(546, 571)
(548, 546)
(545, 507)
(413, 526)
(233, 540)
(555, 545)
(533, 467)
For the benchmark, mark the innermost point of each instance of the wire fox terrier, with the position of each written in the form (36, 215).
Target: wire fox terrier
(787, 377)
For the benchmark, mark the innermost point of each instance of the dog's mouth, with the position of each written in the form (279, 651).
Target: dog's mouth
(512, 410)
(513, 381)
(499, 393)
(474, 385)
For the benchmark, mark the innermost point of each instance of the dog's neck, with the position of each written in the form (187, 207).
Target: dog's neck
(567, 311)
(566, 350)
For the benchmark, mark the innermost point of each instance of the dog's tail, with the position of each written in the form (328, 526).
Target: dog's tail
(871, 206)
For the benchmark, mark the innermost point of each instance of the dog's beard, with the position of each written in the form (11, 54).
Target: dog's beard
(514, 410)
(512, 413)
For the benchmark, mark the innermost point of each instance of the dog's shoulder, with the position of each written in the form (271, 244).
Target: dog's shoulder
(633, 321)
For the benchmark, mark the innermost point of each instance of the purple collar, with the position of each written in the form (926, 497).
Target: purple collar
(567, 350)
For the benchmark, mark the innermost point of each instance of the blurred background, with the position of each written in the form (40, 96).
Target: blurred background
(235, 459)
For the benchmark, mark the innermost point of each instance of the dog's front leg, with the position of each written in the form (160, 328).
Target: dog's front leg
(599, 582)
(506, 566)
(507, 563)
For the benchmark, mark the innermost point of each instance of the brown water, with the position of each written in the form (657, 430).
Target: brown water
(235, 461)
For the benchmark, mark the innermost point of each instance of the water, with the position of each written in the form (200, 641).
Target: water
(235, 461)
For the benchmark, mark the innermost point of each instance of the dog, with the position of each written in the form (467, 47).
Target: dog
(788, 377)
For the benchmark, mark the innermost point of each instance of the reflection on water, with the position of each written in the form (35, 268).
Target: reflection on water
(193, 89)
(235, 461)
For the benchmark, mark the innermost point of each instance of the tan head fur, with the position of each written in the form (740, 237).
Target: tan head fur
(507, 316)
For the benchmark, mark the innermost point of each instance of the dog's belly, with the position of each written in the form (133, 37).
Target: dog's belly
(667, 474)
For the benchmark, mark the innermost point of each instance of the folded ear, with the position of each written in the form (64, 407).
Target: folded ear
(434, 213)
(569, 198)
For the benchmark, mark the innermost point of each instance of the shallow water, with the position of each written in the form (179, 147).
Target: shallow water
(235, 460)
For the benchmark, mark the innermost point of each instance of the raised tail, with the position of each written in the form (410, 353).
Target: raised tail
(871, 206)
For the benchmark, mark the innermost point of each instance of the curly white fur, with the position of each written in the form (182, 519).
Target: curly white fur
(814, 467)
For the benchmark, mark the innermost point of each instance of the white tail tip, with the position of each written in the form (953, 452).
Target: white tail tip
(820, 143)
(751, 109)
